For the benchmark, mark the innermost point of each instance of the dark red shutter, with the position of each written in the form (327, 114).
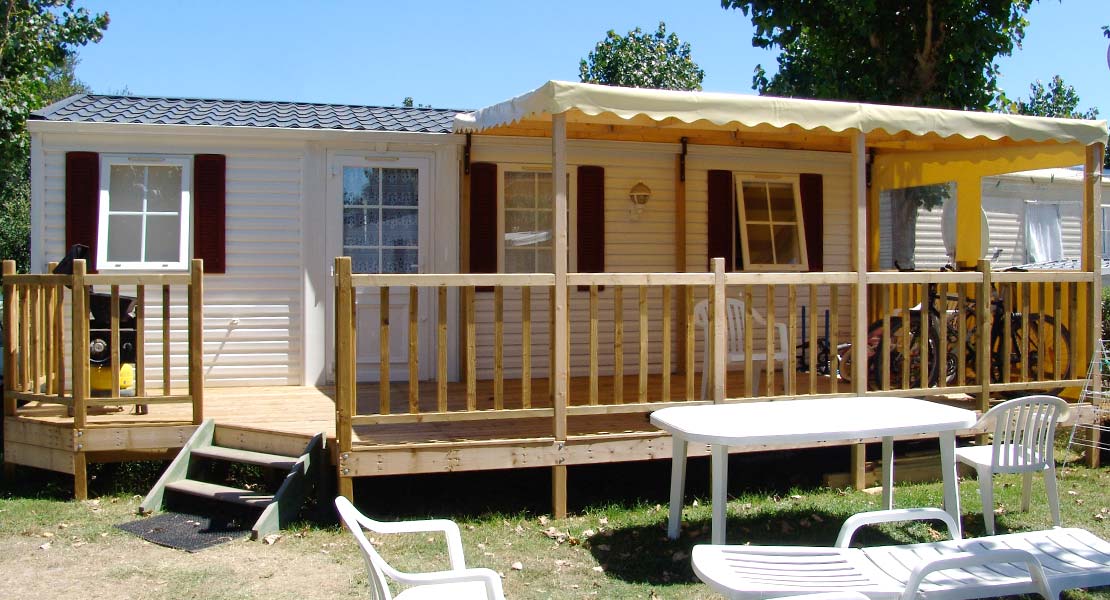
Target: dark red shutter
(483, 218)
(812, 193)
(209, 211)
(720, 218)
(83, 202)
(591, 219)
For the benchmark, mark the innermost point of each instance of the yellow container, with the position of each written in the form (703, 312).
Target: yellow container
(100, 378)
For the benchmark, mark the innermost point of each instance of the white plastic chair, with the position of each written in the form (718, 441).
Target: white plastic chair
(734, 312)
(459, 582)
(1031, 562)
(1024, 431)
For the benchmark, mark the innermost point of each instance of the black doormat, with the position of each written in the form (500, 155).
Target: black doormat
(184, 531)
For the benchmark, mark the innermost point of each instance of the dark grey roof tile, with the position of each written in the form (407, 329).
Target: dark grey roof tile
(92, 108)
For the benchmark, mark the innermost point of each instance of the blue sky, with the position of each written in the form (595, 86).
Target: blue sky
(469, 55)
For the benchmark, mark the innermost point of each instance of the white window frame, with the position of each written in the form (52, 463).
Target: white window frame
(738, 200)
(186, 212)
(572, 237)
(1104, 220)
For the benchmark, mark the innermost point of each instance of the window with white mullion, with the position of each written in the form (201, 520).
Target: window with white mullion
(770, 225)
(528, 223)
(144, 213)
(380, 219)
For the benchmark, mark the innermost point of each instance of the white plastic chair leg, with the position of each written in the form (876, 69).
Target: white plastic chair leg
(758, 367)
(986, 494)
(1026, 490)
(1053, 495)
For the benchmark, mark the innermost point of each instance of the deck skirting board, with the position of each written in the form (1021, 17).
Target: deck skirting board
(107, 439)
(39, 457)
(38, 433)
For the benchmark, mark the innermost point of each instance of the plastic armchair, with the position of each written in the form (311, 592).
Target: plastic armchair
(1024, 431)
(458, 582)
(734, 313)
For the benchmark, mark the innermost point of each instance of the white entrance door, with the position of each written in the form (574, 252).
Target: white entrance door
(379, 215)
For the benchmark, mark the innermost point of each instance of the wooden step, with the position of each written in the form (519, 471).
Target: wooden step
(222, 493)
(262, 459)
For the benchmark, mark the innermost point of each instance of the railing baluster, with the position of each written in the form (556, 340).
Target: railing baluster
(906, 302)
(618, 345)
(594, 383)
(499, 347)
(9, 336)
(961, 325)
(114, 342)
(140, 340)
(1025, 307)
(1007, 331)
(771, 342)
(166, 356)
(749, 344)
(1057, 304)
(925, 323)
(36, 337)
(526, 347)
(471, 352)
(834, 335)
(643, 369)
(1077, 366)
(414, 349)
(790, 372)
(385, 395)
(551, 345)
(1042, 324)
(811, 357)
(688, 355)
(942, 337)
(25, 339)
(887, 293)
(666, 366)
(441, 350)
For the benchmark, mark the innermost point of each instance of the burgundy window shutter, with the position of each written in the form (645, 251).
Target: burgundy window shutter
(483, 218)
(210, 211)
(591, 219)
(812, 192)
(720, 223)
(83, 202)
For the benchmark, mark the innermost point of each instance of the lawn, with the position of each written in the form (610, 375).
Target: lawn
(54, 547)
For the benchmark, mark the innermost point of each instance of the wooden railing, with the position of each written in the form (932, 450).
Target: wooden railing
(37, 352)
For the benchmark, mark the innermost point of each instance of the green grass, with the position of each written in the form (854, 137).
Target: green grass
(608, 549)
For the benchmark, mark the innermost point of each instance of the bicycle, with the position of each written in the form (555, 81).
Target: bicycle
(1043, 352)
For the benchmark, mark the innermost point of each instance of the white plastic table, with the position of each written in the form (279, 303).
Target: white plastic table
(799, 421)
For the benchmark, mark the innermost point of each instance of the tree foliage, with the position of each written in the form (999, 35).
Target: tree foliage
(643, 60)
(1057, 100)
(37, 44)
(937, 53)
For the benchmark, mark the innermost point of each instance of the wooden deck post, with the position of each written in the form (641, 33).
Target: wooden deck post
(562, 314)
(1092, 263)
(196, 339)
(680, 250)
(9, 337)
(80, 338)
(720, 333)
(983, 344)
(344, 370)
(859, 292)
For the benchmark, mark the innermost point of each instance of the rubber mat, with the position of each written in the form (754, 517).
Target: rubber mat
(184, 531)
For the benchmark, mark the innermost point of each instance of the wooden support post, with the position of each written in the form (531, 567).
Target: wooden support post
(196, 339)
(982, 344)
(9, 338)
(859, 290)
(80, 337)
(1092, 263)
(680, 251)
(720, 332)
(562, 314)
(344, 370)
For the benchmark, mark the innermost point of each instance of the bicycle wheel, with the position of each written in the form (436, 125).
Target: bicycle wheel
(900, 360)
(1046, 351)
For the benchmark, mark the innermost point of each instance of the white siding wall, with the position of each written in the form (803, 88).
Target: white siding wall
(253, 313)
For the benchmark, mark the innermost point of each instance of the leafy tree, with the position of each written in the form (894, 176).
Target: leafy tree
(37, 44)
(643, 60)
(1058, 100)
(936, 53)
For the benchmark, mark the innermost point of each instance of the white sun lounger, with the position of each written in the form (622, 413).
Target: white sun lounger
(1037, 562)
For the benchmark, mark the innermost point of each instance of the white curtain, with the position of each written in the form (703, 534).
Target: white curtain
(1043, 240)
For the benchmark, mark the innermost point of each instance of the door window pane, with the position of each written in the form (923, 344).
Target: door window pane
(381, 233)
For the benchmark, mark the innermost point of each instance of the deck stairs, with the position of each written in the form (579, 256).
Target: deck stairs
(196, 481)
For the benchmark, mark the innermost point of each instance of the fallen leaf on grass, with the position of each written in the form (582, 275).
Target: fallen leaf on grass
(599, 569)
(517, 566)
(679, 556)
(45, 546)
(271, 539)
(543, 520)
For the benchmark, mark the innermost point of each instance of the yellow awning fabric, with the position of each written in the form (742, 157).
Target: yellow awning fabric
(584, 102)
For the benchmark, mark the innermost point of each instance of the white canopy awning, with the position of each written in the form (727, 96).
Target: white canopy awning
(584, 102)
